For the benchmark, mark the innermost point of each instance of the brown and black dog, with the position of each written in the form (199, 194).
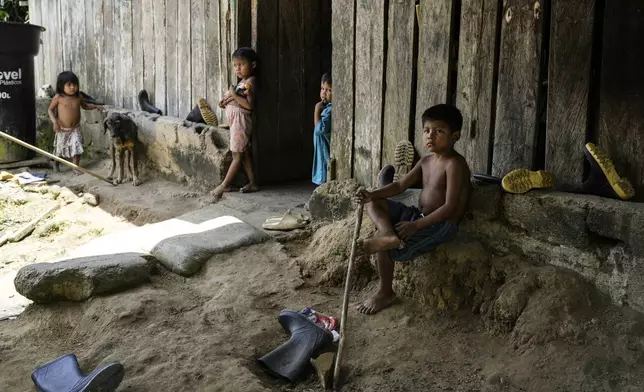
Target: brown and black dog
(124, 138)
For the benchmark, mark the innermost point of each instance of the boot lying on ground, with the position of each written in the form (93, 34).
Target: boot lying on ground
(307, 341)
(64, 375)
(145, 105)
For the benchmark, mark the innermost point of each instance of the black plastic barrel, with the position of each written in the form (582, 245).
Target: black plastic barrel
(18, 47)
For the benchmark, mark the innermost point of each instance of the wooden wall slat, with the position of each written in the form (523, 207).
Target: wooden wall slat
(433, 60)
(127, 63)
(138, 68)
(225, 49)
(109, 47)
(96, 57)
(184, 60)
(90, 63)
(77, 37)
(118, 57)
(266, 142)
(475, 84)
(171, 57)
(160, 62)
(519, 65)
(402, 19)
(369, 63)
(571, 44)
(621, 119)
(342, 36)
(35, 12)
(198, 75)
(45, 49)
(150, 12)
(214, 88)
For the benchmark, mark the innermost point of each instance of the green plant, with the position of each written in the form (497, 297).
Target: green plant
(14, 11)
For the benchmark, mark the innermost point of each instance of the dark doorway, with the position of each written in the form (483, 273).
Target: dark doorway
(293, 40)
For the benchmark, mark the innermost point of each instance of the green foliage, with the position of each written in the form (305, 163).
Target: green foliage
(14, 11)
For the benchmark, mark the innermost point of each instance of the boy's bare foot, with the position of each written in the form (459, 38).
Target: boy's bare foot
(217, 192)
(249, 188)
(377, 302)
(379, 244)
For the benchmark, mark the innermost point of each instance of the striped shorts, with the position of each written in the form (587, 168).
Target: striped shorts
(424, 240)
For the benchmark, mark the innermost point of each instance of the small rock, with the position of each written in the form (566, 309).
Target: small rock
(67, 196)
(91, 199)
(55, 191)
(495, 379)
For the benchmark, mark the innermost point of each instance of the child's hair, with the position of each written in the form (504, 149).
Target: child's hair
(326, 78)
(443, 112)
(63, 79)
(246, 53)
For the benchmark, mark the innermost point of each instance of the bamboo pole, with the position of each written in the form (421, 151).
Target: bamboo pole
(345, 300)
(54, 157)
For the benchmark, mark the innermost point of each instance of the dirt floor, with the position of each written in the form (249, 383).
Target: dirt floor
(205, 333)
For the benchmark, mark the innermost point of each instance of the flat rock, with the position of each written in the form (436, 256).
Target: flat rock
(81, 278)
(91, 199)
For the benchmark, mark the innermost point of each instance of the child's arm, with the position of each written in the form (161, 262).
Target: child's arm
(317, 113)
(455, 175)
(248, 101)
(395, 188)
(52, 116)
(89, 106)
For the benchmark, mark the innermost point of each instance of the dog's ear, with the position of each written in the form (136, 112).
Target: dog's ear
(106, 125)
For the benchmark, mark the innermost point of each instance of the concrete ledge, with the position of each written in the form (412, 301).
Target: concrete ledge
(194, 154)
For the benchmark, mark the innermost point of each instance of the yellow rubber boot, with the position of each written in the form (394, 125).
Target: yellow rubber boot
(523, 180)
(622, 187)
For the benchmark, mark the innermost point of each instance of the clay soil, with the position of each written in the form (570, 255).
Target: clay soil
(206, 332)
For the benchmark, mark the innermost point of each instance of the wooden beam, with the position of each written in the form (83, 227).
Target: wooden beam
(214, 88)
(571, 45)
(621, 120)
(519, 65)
(400, 67)
(475, 90)
(184, 60)
(171, 58)
(434, 37)
(342, 35)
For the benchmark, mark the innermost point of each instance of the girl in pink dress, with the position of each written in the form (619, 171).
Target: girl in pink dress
(238, 103)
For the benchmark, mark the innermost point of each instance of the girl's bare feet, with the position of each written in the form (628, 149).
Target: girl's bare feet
(249, 188)
(217, 192)
(379, 243)
(377, 302)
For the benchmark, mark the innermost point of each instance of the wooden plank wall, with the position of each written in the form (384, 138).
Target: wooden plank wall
(288, 38)
(117, 47)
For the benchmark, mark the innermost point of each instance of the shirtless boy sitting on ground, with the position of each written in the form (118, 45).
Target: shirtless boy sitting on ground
(407, 232)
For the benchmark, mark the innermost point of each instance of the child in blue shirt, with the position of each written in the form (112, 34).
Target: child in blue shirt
(322, 132)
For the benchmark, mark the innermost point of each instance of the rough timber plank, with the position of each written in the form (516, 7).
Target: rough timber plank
(127, 64)
(118, 54)
(475, 87)
(519, 64)
(148, 38)
(402, 18)
(171, 57)
(571, 43)
(266, 135)
(370, 57)
(95, 62)
(621, 119)
(159, 65)
(225, 45)
(433, 60)
(291, 93)
(184, 60)
(35, 17)
(138, 66)
(214, 88)
(342, 35)
(109, 51)
(198, 51)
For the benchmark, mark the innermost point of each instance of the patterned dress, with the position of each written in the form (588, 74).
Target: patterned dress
(68, 142)
(240, 121)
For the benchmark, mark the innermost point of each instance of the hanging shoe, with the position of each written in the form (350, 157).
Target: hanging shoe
(89, 99)
(206, 113)
(403, 159)
(145, 105)
(604, 180)
(523, 180)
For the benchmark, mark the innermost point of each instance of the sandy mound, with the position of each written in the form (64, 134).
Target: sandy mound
(326, 258)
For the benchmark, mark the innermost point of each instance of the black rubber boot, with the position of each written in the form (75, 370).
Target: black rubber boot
(487, 179)
(145, 105)
(307, 341)
(386, 176)
(64, 374)
(90, 99)
(195, 116)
